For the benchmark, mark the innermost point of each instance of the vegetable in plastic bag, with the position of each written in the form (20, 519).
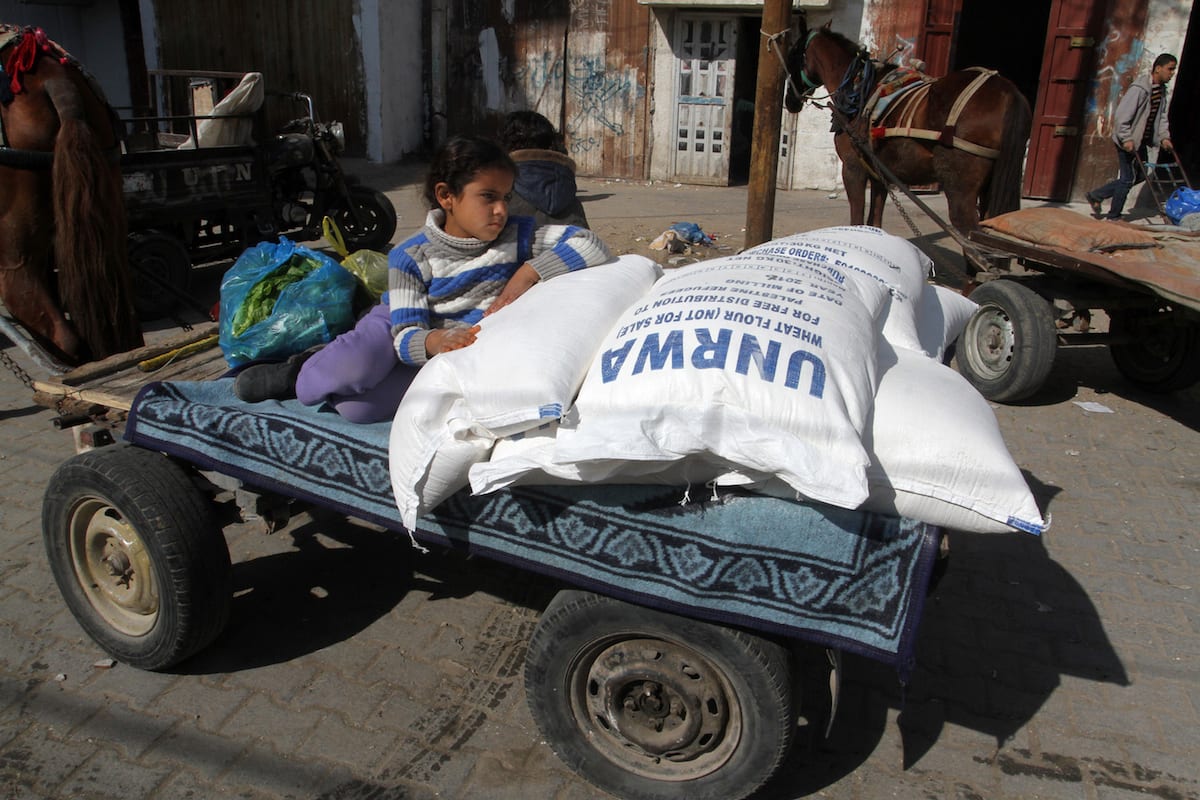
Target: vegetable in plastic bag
(281, 298)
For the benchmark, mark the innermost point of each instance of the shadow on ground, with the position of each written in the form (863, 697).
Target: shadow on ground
(1091, 367)
(1002, 627)
(338, 578)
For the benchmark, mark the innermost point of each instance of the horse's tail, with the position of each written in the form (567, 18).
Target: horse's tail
(90, 232)
(1004, 188)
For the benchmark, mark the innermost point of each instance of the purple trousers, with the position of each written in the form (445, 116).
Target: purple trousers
(358, 373)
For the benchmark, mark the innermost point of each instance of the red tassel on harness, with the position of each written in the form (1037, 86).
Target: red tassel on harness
(24, 55)
(878, 132)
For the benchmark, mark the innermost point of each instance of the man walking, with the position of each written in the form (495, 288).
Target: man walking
(1141, 122)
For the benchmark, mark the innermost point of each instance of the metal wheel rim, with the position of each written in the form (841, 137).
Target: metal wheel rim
(655, 708)
(113, 567)
(993, 339)
(359, 220)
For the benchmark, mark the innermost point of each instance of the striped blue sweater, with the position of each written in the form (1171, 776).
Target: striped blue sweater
(436, 280)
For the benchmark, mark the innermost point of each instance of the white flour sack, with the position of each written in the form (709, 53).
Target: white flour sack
(867, 254)
(427, 462)
(524, 368)
(759, 363)
(938, 454)
(944, 314)
(528, 459)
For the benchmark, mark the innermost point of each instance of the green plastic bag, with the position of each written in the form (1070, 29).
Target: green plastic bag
(368, 266)
(281, 298)
(371, 270)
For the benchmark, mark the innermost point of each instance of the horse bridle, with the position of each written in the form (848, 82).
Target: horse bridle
(845, 98)
(809, 84)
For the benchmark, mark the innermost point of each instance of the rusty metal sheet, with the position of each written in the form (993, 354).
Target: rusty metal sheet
(893, 30)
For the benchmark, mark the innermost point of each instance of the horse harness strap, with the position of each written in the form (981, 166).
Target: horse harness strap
(809, 82)
(906, 107)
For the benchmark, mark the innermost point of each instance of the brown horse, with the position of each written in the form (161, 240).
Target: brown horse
(64, 268)
(966, 131)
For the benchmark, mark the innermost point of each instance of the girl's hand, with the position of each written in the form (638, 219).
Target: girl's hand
(443, 340)
(525, 277)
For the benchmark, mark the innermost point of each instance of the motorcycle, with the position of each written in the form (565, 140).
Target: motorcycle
(308, 184)
(190, 205)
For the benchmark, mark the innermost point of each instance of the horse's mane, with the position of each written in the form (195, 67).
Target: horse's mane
(841, 39)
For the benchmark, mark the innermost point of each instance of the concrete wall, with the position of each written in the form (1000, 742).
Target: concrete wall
(91, 33)
(1136, 34)
(1166, 25)
(662, 92)
(393, 51)
(815, 164)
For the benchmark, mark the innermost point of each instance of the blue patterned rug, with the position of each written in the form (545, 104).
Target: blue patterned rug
(846, 579)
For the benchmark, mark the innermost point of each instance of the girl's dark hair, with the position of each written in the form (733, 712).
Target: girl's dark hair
(460, 160)
(530, 130)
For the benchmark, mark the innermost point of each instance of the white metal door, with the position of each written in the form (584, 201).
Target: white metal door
(705, 48)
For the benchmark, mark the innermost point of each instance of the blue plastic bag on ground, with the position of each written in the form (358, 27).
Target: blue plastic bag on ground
(1183, 201)
(280, 298)
(691, 233)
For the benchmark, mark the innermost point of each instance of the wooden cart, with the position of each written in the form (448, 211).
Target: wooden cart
(667, 665)
(1062, 268)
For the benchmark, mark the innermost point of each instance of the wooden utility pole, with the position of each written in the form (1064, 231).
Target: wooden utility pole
(768, 113)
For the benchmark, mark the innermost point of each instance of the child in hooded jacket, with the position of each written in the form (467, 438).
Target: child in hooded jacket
(545, 188)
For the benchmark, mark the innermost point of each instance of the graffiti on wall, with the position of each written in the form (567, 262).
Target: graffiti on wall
(589, 15)
(1112, 80)
(601, 100)
(540, 78)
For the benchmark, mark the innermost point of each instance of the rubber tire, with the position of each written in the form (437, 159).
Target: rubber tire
(1008, 346)
(119, 490)
(1164, 352)
(162, 270)
(574, 630)
(380, 214)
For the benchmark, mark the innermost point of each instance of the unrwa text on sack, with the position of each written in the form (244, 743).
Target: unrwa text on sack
(713, 353)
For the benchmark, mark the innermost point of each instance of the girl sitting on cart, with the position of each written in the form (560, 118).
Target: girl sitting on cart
(469, 260)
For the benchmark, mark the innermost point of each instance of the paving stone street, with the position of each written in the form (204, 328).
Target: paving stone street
(353, 667)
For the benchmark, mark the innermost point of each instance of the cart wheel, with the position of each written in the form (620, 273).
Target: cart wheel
(162, 269)
(649, 705)
(1007, 348)
(371, 225)
(137, 555)
(1157, 350)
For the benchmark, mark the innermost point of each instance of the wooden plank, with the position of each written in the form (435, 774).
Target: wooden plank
(119, 361)
(116, 390)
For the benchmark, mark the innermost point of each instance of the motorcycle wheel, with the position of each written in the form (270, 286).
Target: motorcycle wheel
(370, 223)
